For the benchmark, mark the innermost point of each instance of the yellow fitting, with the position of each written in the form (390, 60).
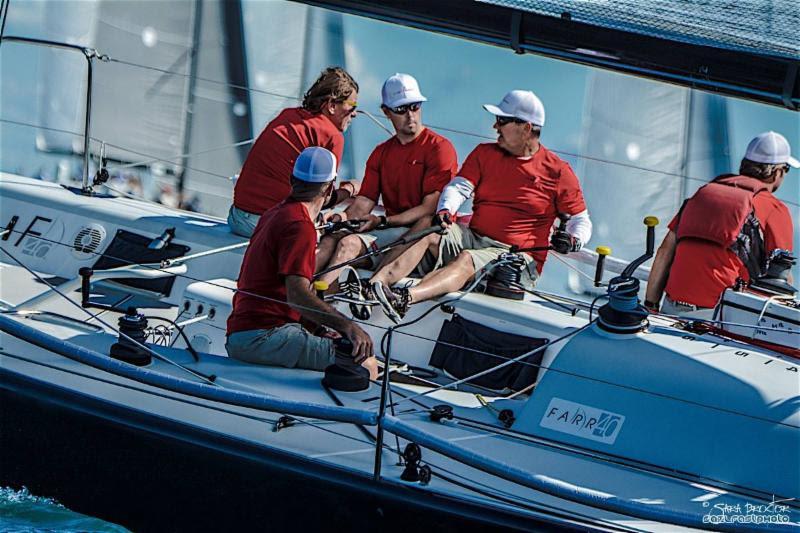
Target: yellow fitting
(320, 285)
(603, 250)
(651, 221)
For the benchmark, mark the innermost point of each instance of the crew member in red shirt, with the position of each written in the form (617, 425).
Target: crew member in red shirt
(693, 264)
(274, 287)
(519, 189)
(408, 171)
(328, 107)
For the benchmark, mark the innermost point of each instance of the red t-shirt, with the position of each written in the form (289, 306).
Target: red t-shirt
(405, 173)
(517, 200)
(283, 244)
(702, 270)
(264, 179)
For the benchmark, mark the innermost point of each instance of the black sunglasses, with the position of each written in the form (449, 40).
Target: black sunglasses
(401, 110)
(502, 121)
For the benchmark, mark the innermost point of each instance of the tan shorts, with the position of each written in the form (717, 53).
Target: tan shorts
(481, 249)
(290, 345)
(377, 239)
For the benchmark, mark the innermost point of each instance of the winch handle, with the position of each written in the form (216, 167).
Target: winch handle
(413, 237)
(602, 252)
(651, 222)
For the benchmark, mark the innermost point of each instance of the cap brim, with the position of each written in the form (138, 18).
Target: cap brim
(404, 101)
(496, 111)
(794, 163)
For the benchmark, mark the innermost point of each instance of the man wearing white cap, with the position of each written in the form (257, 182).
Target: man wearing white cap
(274, 287)
(408, 171)
(519, 189)
(724, 232)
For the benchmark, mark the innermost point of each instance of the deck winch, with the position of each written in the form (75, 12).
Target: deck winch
(504, 281)
(624, 313)
(132, 334)
(345, 374)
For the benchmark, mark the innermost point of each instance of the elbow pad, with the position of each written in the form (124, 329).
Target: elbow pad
(580, 227)
(456, 193)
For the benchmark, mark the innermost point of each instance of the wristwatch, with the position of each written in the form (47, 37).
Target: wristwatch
(384, 222)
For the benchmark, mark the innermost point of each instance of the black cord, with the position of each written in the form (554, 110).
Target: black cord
(591, 307)
(180, 330)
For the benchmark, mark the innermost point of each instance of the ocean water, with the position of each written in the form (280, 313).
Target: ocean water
(21, 511)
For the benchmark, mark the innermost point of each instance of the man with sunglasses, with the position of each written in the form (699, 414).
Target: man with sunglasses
(328, 107)
(408, 172)
(274, 287)
(519, 189)
(726, 231)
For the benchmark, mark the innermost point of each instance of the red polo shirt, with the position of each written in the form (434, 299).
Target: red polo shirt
(283, 244)
(701, 270)
(405, 173)
(264, 179)
(516, 200)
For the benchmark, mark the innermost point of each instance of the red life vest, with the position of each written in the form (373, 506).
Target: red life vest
(722, 212)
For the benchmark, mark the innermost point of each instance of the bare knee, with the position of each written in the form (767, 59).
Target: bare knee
(463, 262)
(349, 247)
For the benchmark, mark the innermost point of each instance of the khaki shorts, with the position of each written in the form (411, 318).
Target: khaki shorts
(671, 307)
(290, 345)
(377, 239)
(481, 249)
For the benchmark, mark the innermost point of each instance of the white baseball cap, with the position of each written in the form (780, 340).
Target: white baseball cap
(401, 89)
(771, 148)
(523, 105)
(315, 165)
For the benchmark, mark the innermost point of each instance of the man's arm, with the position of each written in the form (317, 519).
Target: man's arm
(458, 191)
(300, 296)
(408, 217)
(659, 272)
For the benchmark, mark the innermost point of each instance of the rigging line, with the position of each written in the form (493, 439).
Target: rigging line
(123, 148)
(375, 120)
(182, 156)
(498, 367)
(572, 267)
(127, 262)
(4, 15)
(150, 350)
(506, 360)
(207, 80)
(240, 143)
(475, 350)
(602, 381)
(455, 383)
(376, 326)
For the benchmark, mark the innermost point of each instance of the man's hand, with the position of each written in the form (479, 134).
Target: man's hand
(334, 217)
(564, 243)
(442, 218)
(362, 343)
(370, 222)
(352, 187)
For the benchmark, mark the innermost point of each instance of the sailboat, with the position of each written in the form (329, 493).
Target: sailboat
(119, 399)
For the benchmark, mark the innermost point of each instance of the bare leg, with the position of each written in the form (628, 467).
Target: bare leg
(348, 247)
(401, 267)
(394, 253)
(448, 279)
(325, 249)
